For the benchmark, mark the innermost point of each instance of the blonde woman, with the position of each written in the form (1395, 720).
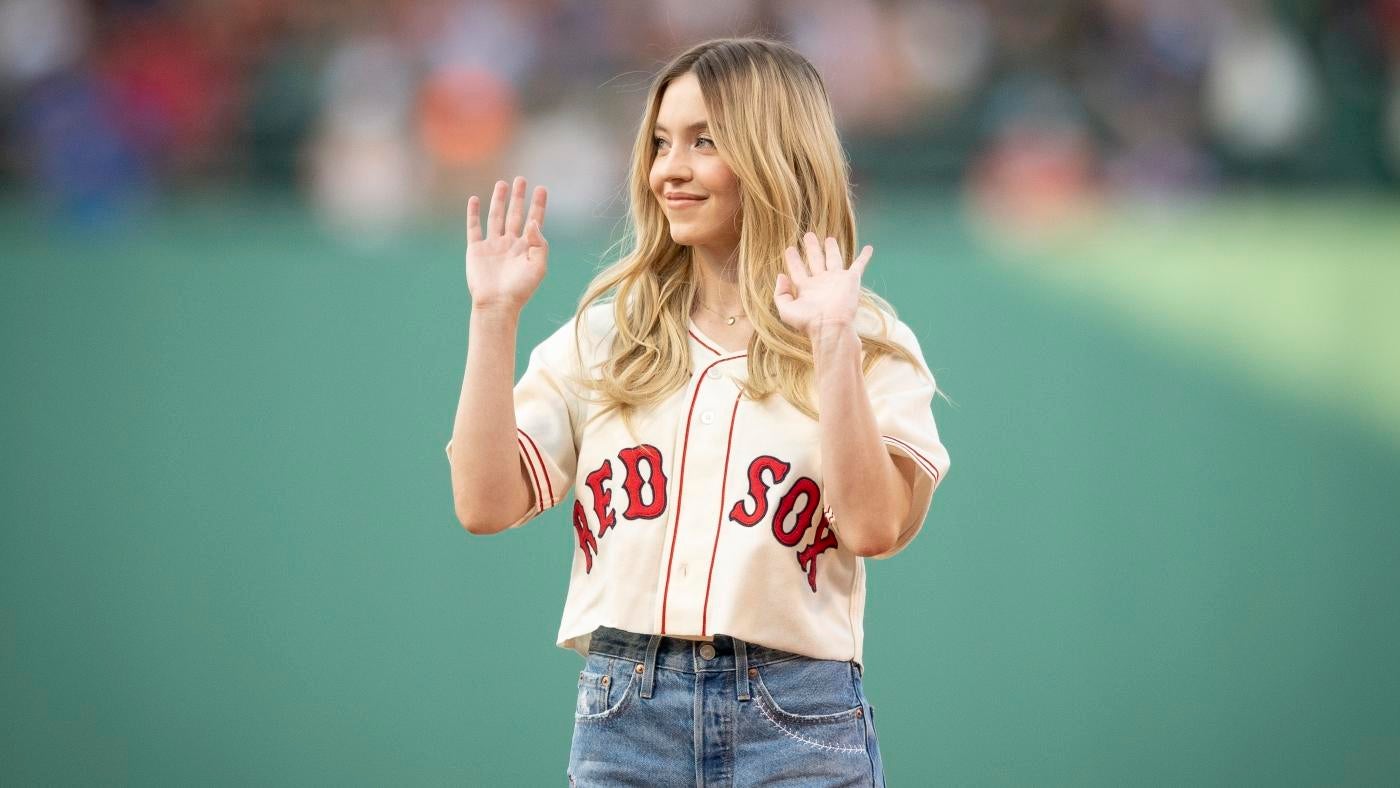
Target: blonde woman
(740, 423)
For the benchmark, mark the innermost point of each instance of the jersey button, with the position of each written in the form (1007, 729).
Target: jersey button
(713, 374)
(707, 651)
(707, 417)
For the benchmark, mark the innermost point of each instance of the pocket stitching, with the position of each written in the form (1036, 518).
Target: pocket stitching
(768, 706)
(773, 703)
(616, 708)
(589, 681)
(763, 707)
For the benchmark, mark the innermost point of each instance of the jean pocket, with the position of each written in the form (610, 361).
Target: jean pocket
(604, 687)
(813, 701)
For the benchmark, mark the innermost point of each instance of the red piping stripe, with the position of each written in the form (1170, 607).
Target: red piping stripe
(723, 479)
(544, 469)
(539, 501)
(702, 342)
(680, 488)
(928, 466)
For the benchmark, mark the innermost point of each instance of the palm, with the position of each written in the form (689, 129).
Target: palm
(820, 289)
(506, 262)
(503, 265)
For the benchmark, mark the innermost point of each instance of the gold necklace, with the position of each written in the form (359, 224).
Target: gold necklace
(727, 320)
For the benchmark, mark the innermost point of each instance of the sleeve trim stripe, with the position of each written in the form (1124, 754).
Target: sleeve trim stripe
(539, 501)
(544, 469)
(919, 458)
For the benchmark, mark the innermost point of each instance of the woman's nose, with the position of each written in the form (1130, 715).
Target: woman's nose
(675, 165)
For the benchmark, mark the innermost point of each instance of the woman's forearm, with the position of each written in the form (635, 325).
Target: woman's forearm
(866, 492)
(489, 487)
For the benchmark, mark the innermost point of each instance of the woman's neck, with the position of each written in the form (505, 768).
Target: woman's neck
(718, 275)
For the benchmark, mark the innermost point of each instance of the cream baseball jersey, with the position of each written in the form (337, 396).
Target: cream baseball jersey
(710, 518)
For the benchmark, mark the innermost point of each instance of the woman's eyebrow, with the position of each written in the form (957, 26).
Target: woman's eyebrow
(700, 124)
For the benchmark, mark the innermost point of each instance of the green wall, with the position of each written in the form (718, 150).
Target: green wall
(229, 555)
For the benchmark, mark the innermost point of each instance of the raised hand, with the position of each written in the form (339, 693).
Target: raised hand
(820, 289)
(507, 263)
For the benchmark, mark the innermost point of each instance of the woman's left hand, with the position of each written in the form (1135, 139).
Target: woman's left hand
(821, 289)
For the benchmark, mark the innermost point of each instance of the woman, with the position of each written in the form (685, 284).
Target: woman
(740, 422)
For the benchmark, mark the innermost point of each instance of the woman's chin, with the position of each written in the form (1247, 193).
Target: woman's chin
(685, 235)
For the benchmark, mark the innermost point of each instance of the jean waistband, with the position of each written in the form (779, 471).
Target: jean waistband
(688, 656)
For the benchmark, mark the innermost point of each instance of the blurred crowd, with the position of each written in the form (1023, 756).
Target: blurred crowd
(380, 112)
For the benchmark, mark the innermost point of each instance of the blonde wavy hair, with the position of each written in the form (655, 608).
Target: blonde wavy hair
(773, 125)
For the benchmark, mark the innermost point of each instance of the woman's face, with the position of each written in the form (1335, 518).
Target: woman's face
(687, 163)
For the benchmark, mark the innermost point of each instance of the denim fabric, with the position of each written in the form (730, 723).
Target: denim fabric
(662, 711)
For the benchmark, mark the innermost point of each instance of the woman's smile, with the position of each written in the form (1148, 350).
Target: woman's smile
(679, 201)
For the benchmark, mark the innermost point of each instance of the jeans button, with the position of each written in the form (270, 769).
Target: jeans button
(707, 651)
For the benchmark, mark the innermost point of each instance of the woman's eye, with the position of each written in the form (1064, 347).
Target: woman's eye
(657, 142)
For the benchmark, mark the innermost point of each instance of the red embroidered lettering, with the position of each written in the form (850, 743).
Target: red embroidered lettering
(586, 541)
(803, 486)
(758, 490)
(602, 497)
(632, 482)
(824, 540)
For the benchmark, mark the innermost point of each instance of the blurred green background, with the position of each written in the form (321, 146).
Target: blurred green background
(1151, 249)
(230, 557)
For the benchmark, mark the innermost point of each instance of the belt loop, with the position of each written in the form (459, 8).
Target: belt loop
(649, 669)
(741, 668)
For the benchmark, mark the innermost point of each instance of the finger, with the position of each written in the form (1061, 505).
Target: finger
(496, 214)
(858, 265)
(796, 268)
(537, 206)
(533, 234)
(833, 255)
(783, 292)
(473, 219)
(515, 215)
(814, 253)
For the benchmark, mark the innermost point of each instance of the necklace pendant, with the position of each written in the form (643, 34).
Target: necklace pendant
(730, 321)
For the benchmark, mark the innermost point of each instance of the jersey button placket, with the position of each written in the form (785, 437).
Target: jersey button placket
(698, 504)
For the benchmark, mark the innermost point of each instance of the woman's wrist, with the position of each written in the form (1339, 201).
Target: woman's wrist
(497, 309)
(825, 329)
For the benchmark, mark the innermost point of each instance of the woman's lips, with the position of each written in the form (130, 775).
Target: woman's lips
(683, 202)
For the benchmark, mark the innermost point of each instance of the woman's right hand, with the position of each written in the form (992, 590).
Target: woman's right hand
(507, 263)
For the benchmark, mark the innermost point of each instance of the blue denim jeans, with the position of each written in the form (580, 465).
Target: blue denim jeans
(662, 711)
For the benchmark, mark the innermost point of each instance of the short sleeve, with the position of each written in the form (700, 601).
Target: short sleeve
(901, 395)
(546, 413)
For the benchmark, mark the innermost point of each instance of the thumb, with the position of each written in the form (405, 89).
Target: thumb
(783, 293)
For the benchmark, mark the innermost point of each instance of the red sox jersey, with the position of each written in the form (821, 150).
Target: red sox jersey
(710, 518)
